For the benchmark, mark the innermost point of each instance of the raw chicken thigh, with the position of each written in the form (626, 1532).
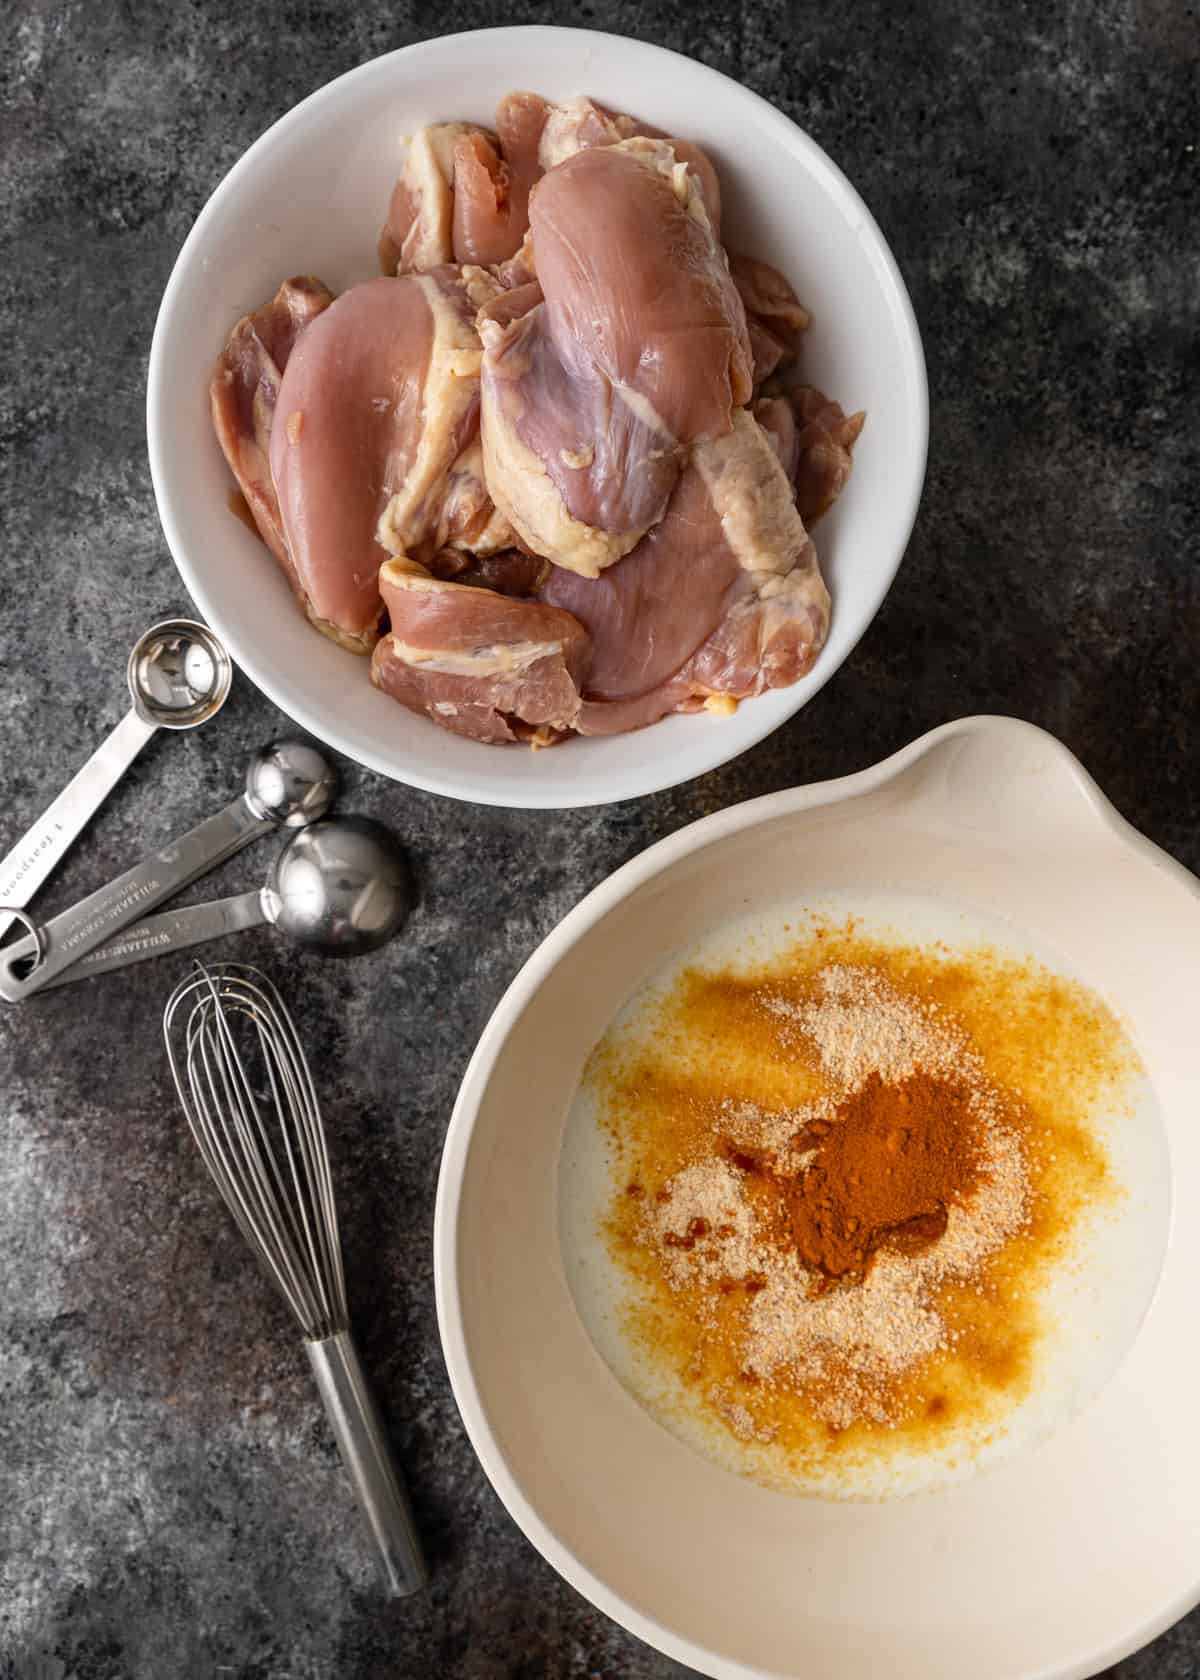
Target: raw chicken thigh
(488, 666)
(720, 601)
(634, 347)
(463, 195)
(632, 271)
(813, 440)
(492, 186)
(242, 395)
(577, 125)
(774, 315)
(419, 231)
(377, 405)
(558, 468)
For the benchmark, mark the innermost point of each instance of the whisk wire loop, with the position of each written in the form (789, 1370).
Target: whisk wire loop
(250, 1176)
(245, 1087)
(279, 1199)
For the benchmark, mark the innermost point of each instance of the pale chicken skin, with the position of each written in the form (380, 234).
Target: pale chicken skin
(374, 410)
(492, 667)
(631, 346)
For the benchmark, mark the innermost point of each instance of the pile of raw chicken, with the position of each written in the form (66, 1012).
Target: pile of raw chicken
(552, 471)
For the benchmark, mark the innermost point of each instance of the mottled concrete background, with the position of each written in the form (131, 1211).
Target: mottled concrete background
(170, 1505)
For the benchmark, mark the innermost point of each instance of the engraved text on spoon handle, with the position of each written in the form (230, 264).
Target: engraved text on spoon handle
(97, 918)
(38, 851)
(169, 930)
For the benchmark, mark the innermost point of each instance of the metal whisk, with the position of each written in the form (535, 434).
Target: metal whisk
(244, 1084)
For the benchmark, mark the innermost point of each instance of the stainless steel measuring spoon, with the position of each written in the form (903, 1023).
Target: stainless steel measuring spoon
(340, 887)
(178, 675)
(289, 784)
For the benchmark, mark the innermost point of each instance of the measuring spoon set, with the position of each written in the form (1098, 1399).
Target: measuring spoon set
(339, 887)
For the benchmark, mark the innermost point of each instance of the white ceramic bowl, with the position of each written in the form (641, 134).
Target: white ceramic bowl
(1061, 1558)
(309, 197)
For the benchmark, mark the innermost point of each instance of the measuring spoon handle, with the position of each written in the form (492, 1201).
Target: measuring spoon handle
(38, 851)
(170, 930)
(98, 917)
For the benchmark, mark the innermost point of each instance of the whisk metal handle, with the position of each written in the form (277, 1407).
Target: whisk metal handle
(358, 1430)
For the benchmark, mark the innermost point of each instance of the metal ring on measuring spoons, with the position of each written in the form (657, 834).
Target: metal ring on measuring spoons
(31, 927)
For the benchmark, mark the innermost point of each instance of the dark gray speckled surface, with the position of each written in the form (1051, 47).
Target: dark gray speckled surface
(170, 1505)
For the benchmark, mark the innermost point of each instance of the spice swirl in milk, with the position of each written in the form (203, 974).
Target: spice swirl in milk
(839, 1181)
